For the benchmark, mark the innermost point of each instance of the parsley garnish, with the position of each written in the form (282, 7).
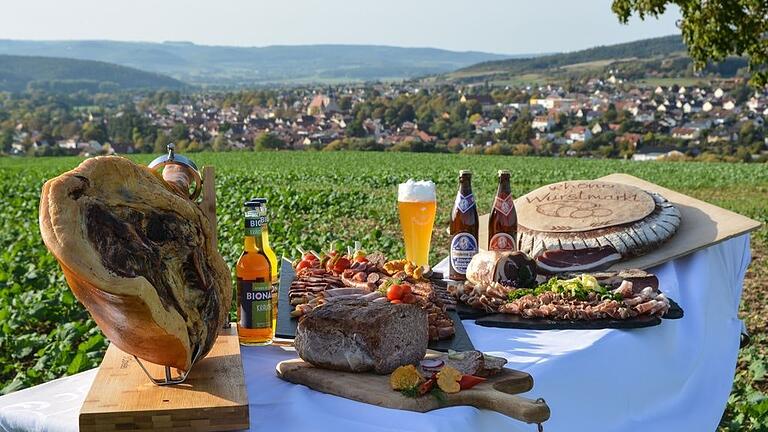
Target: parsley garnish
(574, 288)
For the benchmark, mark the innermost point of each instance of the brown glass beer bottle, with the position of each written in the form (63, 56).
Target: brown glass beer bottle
(464, 227)
(502, 224)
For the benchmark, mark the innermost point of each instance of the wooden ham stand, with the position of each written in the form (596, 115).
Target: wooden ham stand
(212, 396)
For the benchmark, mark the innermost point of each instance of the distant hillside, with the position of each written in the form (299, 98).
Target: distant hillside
(637, 49)
(223, 65)
(19, 73)
(659, 57)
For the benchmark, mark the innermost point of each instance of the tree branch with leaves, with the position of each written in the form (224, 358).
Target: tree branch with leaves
(714, 29)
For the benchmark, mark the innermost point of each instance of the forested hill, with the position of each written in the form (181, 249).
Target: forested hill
(244, 66)
(20, 73)
(638, 49)
(664, 57)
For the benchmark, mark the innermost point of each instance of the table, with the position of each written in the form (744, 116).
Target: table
(673, 377)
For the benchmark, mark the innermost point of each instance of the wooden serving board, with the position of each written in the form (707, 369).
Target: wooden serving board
(286, 324)
(702, 225)
(497, 394)
(213, 397)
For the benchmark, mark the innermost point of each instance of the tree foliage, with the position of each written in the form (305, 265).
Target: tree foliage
(714, 29)
(267, 141)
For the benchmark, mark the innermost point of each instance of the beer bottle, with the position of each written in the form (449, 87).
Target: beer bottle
(254, 283)
(464, 226)
(273, 261)
(502, 224)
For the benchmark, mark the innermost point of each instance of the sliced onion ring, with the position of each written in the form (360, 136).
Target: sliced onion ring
(431, 365)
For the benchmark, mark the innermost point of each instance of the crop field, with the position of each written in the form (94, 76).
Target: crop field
(316, 198)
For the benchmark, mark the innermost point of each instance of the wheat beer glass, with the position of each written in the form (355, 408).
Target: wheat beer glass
(416, 204)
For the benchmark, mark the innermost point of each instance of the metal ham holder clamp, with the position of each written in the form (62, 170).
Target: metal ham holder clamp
(180, 173)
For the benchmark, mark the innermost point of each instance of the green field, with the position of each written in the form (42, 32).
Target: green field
(666, 82)
(315, 198)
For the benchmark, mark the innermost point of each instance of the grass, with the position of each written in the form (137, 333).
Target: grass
(315, 198)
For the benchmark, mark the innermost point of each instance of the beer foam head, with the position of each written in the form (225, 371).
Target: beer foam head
(416, 191)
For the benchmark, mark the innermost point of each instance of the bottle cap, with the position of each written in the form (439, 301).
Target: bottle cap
(503, 172)
(255, 202)
(465, 172)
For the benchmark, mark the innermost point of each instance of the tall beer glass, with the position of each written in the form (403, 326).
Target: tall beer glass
(417, 205)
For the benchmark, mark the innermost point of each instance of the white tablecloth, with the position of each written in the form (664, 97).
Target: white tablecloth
(673, 377)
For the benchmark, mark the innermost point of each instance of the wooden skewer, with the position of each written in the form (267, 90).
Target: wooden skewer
(208, 203)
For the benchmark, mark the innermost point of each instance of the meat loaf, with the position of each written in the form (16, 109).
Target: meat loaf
(359, 336)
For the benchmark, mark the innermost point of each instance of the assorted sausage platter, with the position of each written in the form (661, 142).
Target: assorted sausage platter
(508, 289)
(299, 295)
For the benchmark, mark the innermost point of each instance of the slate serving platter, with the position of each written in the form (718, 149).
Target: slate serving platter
(514, 321)
(286, 325)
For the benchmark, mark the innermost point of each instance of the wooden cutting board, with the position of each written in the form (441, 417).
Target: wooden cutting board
(702, 225)
(213, 397)
(497, 394)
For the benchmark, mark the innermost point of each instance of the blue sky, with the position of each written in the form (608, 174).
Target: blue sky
(502, 26)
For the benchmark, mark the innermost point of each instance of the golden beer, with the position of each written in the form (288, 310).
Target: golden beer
(417, 206)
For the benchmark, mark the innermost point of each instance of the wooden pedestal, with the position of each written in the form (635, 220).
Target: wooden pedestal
(213, 398)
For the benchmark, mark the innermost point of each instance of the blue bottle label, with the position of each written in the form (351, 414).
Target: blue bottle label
(463, 248)
(465, 202)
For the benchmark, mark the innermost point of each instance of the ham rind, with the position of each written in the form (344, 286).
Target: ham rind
(557, 261)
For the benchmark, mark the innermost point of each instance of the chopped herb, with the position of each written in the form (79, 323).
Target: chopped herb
(439, 395)
(388, 283)
(413, 392)
(579, 288)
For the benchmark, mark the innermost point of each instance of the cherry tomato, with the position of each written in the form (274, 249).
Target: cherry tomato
(469, 381)
(395, 301)
(406, 289)
(361, 259)
(309, 256)
(395, 292)
(408, 298)
(341, 265)
(303, 264)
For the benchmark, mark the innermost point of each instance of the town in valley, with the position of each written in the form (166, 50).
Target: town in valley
(600, 117)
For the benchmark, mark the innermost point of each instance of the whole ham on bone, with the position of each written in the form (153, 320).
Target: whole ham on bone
(140, 257)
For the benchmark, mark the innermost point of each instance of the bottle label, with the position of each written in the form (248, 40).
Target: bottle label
(253, 225)
(502, 242)
(255, 304)
(463, 248)
(465, 202)
(504, 205)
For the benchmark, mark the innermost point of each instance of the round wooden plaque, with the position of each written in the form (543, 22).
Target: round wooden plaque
(582, 205)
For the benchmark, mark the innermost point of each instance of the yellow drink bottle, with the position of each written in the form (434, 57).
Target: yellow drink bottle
(255, 309)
